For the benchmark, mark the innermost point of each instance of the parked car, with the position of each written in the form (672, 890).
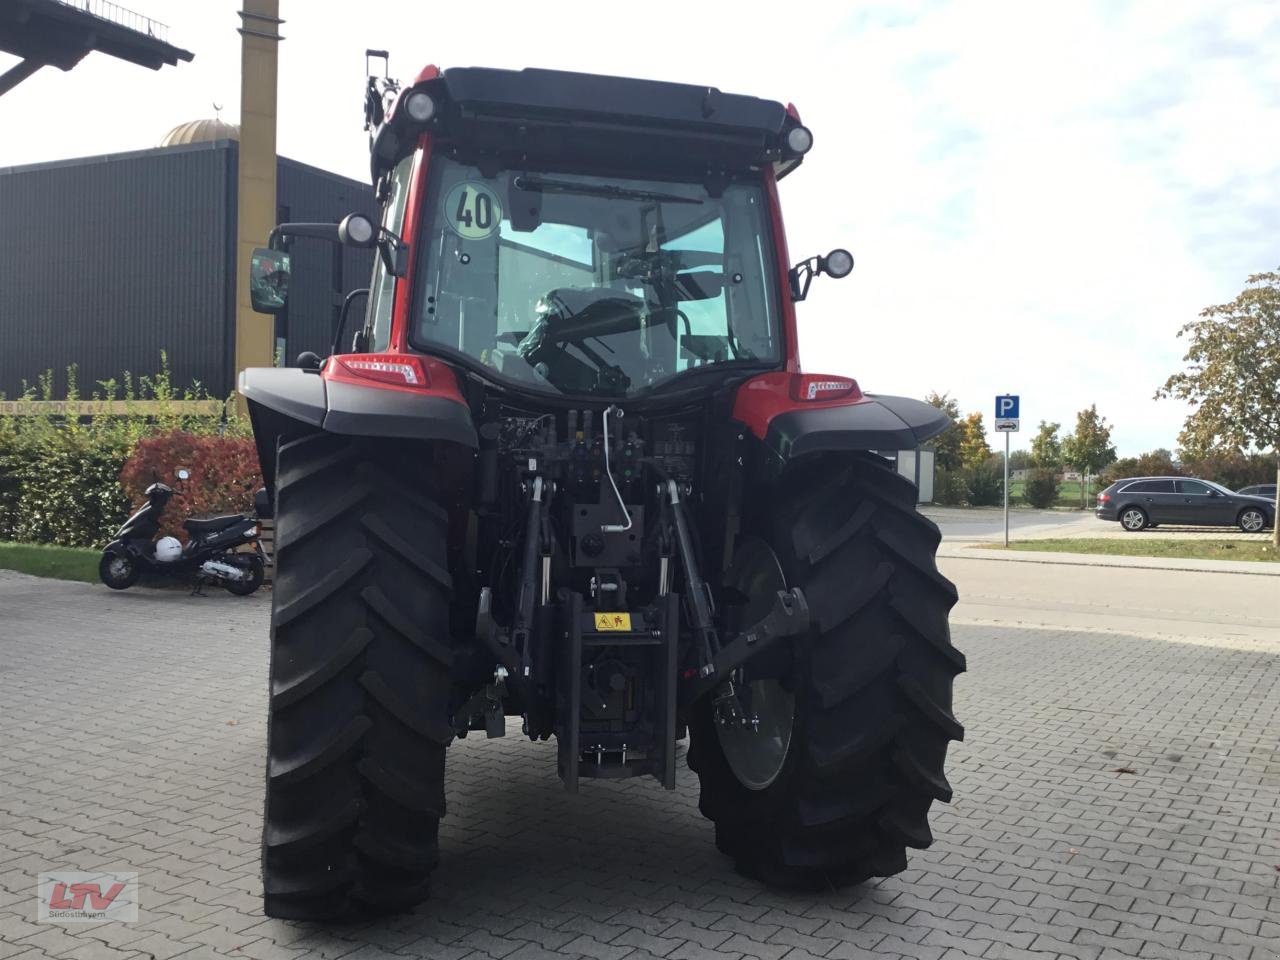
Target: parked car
(1140, 502)
(1267, 490)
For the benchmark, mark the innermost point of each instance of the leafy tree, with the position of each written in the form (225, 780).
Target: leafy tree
(1231, 468)
(1046, 448)
(1089, 449)
(1020, 460)
(974, 449)
(1157, 463)
(1233, 375)
(947, 444)
(1154, 463)
(1124, 467)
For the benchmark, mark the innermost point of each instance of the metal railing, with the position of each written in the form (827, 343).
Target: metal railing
(120, 16)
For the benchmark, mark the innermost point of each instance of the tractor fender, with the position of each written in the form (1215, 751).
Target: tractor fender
(873, 422)
(288, 402)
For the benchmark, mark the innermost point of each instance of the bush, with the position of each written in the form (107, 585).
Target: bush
(60, 474)
(58, 480)
(949, 488)
(985, 486)
(69, 493)
(224, 475)
(1041, 488)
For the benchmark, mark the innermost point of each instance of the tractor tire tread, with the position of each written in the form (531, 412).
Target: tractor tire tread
(360, 680)
(874, 684)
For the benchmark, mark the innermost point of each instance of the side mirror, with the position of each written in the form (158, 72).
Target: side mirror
(183, 473)
(269, 280)
(837, 264)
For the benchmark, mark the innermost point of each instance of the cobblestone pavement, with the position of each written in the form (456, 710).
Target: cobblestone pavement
(1118, 796)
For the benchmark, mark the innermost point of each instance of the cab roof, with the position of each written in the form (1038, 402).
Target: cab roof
(536, 115)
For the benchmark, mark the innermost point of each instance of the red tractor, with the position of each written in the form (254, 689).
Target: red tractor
(570, 471)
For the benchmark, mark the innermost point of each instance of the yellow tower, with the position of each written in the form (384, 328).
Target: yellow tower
(256, 189)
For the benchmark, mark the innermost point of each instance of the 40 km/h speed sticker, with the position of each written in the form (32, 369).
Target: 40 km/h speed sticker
(473, 210)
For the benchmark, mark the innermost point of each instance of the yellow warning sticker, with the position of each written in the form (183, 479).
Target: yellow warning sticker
(613, 621)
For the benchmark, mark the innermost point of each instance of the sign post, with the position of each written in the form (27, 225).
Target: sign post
(1006, 423)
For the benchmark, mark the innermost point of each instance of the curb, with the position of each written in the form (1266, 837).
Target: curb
(1252, 568)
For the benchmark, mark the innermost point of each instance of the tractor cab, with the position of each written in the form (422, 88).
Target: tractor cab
(572, 235)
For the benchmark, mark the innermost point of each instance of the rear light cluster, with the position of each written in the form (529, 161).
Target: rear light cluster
(402, 369)
(814, 387)
(1104, 497)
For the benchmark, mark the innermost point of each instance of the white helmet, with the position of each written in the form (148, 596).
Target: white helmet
(168, 549)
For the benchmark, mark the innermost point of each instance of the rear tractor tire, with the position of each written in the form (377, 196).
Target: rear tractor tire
(862, 756)
(360, 682)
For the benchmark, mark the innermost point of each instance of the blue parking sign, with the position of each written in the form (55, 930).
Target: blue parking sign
(1007, 407)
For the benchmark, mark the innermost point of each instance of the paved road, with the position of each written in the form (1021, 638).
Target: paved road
(131, 737)
(976, 524)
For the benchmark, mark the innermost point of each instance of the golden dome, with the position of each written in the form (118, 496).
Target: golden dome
(200, 131)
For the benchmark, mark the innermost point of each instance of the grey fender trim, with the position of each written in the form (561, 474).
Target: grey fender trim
(876, 423)
(287, 402)
(295, 393)
(375, 412)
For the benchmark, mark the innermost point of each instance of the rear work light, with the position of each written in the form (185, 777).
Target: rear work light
(401, 370)
(799, 140)
(815, 387)
(420, 106)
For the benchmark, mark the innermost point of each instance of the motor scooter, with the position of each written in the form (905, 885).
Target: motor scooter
(210, 556)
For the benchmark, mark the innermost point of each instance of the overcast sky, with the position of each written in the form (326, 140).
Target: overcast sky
(1037, 195)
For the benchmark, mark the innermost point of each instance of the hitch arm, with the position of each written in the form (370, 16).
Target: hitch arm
(789, 617)
(522, 629)
(699, 596)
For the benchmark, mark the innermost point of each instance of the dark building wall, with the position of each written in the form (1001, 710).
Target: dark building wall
(106, 261)
(322, 273)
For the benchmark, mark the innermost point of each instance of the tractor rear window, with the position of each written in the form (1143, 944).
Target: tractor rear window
(594, 286)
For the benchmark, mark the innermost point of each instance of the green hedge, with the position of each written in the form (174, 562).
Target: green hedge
(60, 475)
